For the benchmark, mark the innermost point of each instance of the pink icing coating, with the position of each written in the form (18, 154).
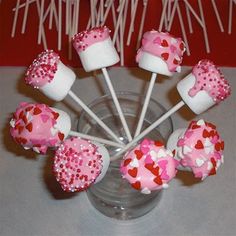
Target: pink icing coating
(165, 46)
(209, 78)
(33, 126)
(149, 166)
(77, 164)
(202, 149)
(43, 69)
(84, 39)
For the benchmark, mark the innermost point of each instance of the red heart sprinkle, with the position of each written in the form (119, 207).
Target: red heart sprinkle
(149, 166)
(155, 171)
(219, 146)
(127, 161)
(133, 172)
(55, 115)
(29, 127)
(210, 125)
(21, 114)
(164, 43)
(20, 129)
(158, 143)
(222, 145)
(29, 108)
(158, 180)
(205, 134)
(195, 126)
(136, 185)
(165, 56)
(24, 119)
(61, 136)
(138, 154)
(37, 111)
(199, 145)
(181, 46)
(176, 62)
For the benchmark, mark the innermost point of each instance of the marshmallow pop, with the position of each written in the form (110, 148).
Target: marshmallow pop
(160, 53)
(149, 166)
(203, 88)
(48, 74)
(78, 163)
(38, 126)
(96, 51)
(198, 148)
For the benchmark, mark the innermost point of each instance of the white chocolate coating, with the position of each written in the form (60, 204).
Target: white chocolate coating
(61, 84)
(99, 55)
(200, 102)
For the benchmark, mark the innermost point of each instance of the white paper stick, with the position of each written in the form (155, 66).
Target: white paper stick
(149, 129)
(97, 139)
(131, 26)
(115, 23)
(55, 14)
(102, 10)
(163, 14)
(107, 12)
(217, 15)
(121, 42)
(67, 18)
(13, 31)
(98, 15)
(43, 32)
(41, 21)
(25, 17)
(189, 19)
(121, 7)
(204, 28)
(59, 24)
(70, 31)
(145, 3)
(183, 30)
(22, 5)
(230, 16)
(92, 9)
(77, 16)
(145, 104)
(172, 15)
(94, 116)
(51, 14)
(117, 104)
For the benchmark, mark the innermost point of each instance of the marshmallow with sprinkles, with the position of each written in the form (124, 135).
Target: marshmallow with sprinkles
(37, 126)
(160, 53)
(48, 74)
(149, 166)
(198, 148)
(204, 87)
(95, 48)
(78, 163)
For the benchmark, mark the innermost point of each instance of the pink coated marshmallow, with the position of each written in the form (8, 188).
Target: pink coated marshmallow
(198, 148)
(149, 166)
(95, 48)
(204, 87)
(78, 163)
(160, 53)
(48, 74)
(38, 126)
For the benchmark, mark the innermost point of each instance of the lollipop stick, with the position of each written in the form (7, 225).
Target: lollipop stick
(93, 138)
(94, 116)
(15, 19)
(149, 129)
(117, 104)
(217, 15)
(25, 17)
(145, 105)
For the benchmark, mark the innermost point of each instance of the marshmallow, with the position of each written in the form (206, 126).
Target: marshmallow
(48, 74)
(79, 163)
(204, 87)
(160, 53)
(149, 166)
(95, 48)
(198, 148)
(38, 126)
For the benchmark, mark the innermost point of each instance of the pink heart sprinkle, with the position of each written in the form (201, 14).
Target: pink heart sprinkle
(148, 160)
(157, 40)
(44, 118)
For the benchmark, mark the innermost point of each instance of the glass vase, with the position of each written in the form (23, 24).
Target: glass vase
(113, 196)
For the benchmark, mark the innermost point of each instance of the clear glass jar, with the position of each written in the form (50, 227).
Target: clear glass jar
(113, 196)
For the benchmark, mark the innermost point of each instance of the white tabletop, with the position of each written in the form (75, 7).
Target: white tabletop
(32, 203)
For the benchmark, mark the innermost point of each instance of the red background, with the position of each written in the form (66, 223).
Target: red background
(23, 48)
